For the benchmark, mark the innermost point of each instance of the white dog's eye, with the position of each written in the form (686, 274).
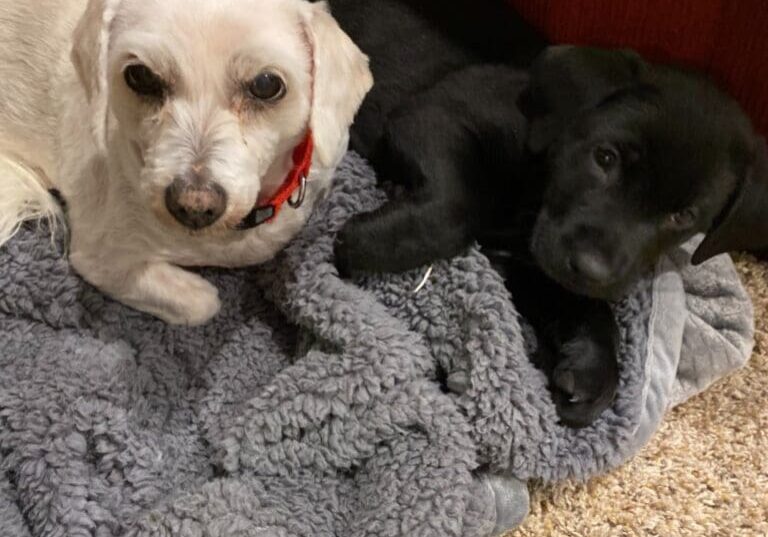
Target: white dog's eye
(144, 82)
(267, 86)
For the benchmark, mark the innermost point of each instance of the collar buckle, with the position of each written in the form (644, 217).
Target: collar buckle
(293, 191)
(302, 194)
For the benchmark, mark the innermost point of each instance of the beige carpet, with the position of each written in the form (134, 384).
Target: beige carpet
(704, 474)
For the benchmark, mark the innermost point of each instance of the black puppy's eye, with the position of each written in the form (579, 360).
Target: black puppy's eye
(605, 157)
(684, 219)
(143, 81)
(267, 86)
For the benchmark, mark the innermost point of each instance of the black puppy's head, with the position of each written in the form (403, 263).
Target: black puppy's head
(640, 158)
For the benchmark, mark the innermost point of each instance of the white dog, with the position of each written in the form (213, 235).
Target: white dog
(178, 132)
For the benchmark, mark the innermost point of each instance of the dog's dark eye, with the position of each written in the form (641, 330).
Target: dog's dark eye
(143, 81)
(605, 157)
(684, 219)
(268, 86)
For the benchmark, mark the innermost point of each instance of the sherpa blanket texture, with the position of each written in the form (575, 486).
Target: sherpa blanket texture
(311, 406)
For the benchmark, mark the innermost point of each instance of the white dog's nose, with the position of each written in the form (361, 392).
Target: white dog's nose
(195, 202)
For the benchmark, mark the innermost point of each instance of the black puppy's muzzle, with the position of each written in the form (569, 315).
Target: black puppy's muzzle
(581, 258)
(590, 267)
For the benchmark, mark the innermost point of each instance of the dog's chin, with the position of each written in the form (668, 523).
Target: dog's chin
(612, 292)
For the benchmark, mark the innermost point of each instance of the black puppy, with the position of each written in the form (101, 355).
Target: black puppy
(589, 170)
(443, 108)
(640, 158)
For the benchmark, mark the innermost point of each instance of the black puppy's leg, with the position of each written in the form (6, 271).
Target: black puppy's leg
(586, 375)
(428, 151)
(456, 148)
(401, 235)
(578, 342)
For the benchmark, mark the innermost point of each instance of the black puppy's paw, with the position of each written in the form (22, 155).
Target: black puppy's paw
(584, 382)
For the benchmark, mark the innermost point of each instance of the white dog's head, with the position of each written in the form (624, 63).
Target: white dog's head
(212, 96)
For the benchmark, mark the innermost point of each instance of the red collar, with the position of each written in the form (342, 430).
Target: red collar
(296, 180)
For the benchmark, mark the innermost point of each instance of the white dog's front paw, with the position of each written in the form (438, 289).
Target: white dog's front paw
(173, 294)
(198, 304)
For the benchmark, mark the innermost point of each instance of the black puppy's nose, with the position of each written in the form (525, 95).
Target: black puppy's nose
(590, 266)
(194, 202)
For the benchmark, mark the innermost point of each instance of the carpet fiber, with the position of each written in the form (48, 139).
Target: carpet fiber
(704, 474)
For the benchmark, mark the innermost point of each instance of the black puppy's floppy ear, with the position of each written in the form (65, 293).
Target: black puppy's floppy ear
(743, 224)
(566, 79)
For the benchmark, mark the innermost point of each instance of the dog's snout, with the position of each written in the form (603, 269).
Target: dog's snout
(195, 202)
(591, 267)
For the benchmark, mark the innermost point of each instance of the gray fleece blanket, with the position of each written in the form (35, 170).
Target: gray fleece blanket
(311, 405)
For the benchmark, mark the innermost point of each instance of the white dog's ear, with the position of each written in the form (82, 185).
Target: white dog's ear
(341, 81)
(89, 55)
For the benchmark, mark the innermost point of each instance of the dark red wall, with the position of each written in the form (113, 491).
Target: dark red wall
(726, 38)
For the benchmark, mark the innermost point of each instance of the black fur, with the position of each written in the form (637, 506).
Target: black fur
(587, 164)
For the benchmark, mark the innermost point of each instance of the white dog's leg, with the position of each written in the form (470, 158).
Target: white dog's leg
(173, 294)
